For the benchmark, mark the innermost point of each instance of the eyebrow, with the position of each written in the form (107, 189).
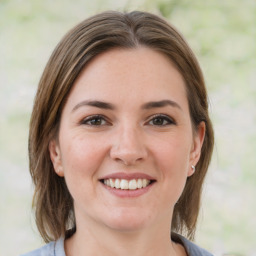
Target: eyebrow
(109, 106)
(94, 103)
(160, 104)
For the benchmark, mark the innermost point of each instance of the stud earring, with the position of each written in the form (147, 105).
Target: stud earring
(193, 168)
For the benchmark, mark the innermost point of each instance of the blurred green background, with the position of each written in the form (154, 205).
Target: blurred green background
(222, 34)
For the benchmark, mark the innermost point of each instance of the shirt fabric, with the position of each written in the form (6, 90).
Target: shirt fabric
(57, 248)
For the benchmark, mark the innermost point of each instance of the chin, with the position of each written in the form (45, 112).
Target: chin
(128, 221)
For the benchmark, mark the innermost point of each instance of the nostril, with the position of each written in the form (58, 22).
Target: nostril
(128, 157)
(128, 146)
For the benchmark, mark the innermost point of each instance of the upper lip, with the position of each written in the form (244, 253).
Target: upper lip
(127, 176)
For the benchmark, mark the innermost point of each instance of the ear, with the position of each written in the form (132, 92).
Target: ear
(55, 156)
(196, 147)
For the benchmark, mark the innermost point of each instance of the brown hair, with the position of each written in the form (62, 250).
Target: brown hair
(53, 204)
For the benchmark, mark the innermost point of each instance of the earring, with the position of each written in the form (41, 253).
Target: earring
(193, 168)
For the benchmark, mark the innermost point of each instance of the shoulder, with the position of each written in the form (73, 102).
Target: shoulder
(191, 248)
(50, 249)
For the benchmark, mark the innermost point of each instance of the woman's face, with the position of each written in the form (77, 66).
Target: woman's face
(126, 144)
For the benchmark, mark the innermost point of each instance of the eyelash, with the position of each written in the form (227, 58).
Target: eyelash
(166, 120)
(87, 120)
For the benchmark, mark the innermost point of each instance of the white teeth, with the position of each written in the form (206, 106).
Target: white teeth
(139, 183)
(124, 184)
(107, 182)
(144, 183)
(132, 184)
(112, 183)
(127, 184)
(117, 183)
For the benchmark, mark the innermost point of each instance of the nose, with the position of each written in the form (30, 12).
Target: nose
(128, 146)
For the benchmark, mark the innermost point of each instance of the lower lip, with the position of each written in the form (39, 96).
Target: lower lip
(128, 193)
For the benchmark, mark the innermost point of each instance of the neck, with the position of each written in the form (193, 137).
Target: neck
(99, 240)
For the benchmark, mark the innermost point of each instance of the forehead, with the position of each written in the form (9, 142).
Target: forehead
(139, 74)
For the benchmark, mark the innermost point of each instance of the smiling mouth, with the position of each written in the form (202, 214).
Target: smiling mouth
(124, 184)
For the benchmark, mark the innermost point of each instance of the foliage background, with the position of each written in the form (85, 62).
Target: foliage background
(222, 34)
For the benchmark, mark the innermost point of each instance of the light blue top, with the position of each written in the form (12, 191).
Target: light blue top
(51, 249)
(57, 248)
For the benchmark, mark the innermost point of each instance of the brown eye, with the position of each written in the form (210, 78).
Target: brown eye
(161, 120)
(94, 121)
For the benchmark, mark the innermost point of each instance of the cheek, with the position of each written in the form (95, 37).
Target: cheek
(81, 155)
(172, 160)
(81, 159)
(172, 154)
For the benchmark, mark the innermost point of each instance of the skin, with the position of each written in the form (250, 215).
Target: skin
(127, 137)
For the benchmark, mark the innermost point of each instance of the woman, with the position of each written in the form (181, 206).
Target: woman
(120, 140)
